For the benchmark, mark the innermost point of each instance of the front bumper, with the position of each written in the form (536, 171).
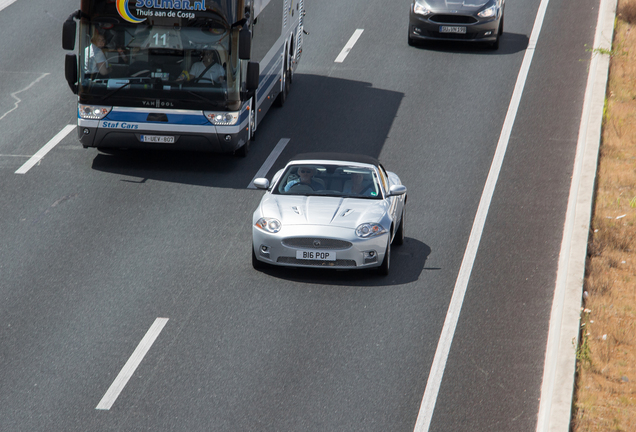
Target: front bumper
(188, 130)
(352, 252)
(428, 28)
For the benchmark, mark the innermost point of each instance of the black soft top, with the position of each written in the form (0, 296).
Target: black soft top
(340, 157)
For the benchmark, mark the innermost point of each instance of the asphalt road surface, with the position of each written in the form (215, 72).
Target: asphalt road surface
(95, 247)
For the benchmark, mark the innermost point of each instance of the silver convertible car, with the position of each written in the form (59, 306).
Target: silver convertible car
(331, 210)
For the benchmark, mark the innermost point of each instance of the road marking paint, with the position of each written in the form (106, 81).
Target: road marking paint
(5, 3)
(44, 150)
(267, 165)
(347, 48)
(131, 365)
(454, 309)
(13, 95)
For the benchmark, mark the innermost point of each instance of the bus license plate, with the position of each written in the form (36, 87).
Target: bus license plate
(316, 255)
(157, 139)
(452, 29)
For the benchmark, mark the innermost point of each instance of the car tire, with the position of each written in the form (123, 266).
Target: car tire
(495, 45)
(399, 234)
(258, 265)
(386, 263)
(501, 25)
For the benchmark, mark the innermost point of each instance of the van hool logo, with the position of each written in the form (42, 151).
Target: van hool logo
(180, 5)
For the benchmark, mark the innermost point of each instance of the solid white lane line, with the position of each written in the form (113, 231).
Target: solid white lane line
(555, 408)
(352, 41)
(450, 323)
(267, 165)
(44, 150)
(131, 365)
(5, 3)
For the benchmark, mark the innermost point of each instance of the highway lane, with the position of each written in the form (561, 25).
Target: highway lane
(105, 244)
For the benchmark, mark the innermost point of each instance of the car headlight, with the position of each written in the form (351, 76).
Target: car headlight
(222, 118)
(488, 13)
(93, 112)
(367, 230)
(421, 8)
(270, 225)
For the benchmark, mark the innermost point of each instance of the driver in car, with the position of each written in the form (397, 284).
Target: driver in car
(306, 177)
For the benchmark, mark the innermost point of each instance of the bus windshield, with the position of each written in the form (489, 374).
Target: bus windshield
(159, 61)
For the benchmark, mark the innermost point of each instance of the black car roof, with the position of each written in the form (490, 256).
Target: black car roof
(340, 157)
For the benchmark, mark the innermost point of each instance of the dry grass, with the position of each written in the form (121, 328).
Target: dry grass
(605, 397)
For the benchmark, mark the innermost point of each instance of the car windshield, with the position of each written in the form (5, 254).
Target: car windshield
(329, 180)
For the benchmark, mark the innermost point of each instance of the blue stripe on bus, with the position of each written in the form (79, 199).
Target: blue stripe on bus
(142, 117)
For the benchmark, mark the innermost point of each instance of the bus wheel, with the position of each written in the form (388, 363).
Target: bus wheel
(245, 148)
(282, 96)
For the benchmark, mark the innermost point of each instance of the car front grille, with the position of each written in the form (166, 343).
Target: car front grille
(336, 263)
(316, 243)
(453, 19)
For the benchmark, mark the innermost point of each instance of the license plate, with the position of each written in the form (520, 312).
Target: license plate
(157, 139)
(316, 255)
(452, 29)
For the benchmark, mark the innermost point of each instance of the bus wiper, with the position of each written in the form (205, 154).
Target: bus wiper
(203, 98)
(137, 80)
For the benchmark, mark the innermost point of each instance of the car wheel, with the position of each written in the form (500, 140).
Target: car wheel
(501, 25)
(411, 41)
(399, 234)
(258, 265)
(495, 45)
(386, 264)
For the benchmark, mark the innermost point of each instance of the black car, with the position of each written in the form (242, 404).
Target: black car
(465, 20)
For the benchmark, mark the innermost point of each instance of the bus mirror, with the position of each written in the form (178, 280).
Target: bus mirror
(68, 35)
(245, 43)
(251, 80)
(70, 70)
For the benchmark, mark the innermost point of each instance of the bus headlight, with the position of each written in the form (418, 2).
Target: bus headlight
(222, 118)
(93, 112)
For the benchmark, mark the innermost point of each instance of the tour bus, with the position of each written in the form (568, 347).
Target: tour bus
(180, 74)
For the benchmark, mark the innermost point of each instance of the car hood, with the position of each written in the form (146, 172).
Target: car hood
(456, 5)
(318, 210)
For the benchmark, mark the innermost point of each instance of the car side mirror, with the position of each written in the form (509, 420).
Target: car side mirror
(245, 43)
(68, 34)
(70, 71)
(397, 190)
(261, 183)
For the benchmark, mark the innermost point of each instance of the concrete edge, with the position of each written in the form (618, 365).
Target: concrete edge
(557, 390)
